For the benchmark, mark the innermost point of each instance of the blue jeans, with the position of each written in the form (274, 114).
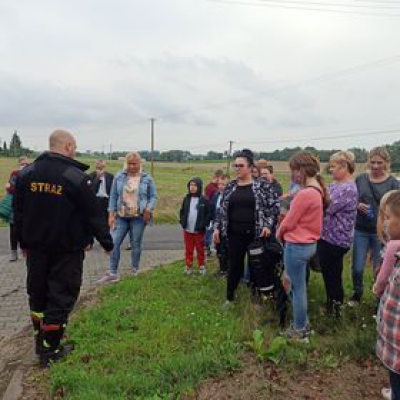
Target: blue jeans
(364, 241)
(135, 227)
(296, 258)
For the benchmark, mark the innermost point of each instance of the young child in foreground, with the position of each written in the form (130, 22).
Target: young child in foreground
(388, 318)
(195, 215)
(389, 250)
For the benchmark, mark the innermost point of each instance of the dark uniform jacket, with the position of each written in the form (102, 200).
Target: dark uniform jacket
(54, 206)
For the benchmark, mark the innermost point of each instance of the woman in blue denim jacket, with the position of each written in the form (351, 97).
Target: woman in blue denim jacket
(132, 200)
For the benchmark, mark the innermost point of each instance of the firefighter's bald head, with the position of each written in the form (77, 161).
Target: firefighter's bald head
(62, 142)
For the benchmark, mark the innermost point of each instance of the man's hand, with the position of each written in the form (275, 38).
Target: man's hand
(216, 237)
(266, 232)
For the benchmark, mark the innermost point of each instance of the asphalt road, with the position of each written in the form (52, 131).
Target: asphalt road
(157, 237)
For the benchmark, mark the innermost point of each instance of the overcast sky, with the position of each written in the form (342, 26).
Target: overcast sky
(209, 72)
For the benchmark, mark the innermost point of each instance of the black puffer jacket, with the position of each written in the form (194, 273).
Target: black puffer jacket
(203, 208)
(55, 208)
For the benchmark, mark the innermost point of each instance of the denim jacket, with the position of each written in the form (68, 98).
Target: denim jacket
(147, 197)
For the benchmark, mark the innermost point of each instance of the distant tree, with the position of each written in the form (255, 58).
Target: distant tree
(15, 145)
(361, 155)
(213, 155)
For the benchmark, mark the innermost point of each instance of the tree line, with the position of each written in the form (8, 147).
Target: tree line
(16, 149)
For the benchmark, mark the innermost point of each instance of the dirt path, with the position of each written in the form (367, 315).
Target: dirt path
(265, 381)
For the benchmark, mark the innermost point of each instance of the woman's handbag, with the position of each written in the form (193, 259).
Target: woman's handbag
(6, 207)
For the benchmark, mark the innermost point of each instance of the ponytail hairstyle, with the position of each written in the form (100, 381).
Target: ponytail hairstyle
(309, 167)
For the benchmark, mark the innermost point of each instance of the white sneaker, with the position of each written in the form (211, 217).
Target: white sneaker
(386, 393)
(135, 271)
(188, 270)
(108, 278)
(203, 270)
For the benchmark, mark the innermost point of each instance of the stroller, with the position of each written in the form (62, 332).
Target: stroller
(266, 266)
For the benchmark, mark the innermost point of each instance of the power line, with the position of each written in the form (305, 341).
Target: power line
(361, 134)
(320, 78)
(290, 7)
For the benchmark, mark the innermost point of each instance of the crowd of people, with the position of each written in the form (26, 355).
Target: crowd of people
(315, 223)
(58, 210)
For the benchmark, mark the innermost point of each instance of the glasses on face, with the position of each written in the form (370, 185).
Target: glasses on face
(239, 165)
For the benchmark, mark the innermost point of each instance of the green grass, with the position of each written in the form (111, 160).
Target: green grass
(160, 335)
(151, 337)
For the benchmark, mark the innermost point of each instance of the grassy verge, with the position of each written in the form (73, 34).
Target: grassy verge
(151, 337)
(158, 336)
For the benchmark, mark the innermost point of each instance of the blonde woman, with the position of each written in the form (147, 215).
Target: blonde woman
(132, 200)
(371, 187)
(338, 227)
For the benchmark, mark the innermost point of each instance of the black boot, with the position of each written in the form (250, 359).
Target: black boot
(51, 349)
(37, 322)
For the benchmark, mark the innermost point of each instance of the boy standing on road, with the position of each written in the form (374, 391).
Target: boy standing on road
(195, 215)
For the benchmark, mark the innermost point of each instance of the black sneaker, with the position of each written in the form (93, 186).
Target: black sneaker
(354, 300)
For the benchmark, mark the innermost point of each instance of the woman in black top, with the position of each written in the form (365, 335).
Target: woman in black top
(249, 210)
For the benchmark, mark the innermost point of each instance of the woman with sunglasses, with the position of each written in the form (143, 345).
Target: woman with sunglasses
(249, 210)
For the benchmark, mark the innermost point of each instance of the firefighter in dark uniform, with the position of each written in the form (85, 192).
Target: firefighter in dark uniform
(56, 220)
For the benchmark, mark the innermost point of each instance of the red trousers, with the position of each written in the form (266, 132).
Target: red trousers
(192, 241)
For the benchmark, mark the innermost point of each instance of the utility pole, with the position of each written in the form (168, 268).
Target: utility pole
(228, 165)
(109, 157)
(152, 120)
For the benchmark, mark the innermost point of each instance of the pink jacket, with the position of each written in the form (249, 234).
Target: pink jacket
(303, 222)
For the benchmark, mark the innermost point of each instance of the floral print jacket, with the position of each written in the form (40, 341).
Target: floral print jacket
(266, 207)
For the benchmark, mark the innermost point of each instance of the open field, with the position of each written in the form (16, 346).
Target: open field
(171, 179)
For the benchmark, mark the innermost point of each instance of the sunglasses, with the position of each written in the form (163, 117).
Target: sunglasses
(239, 165)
